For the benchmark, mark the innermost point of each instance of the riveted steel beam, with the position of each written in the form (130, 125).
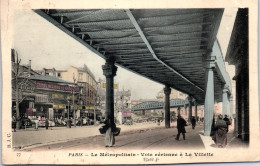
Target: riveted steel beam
(73, 13)
(106, 31)
(115, 38)
(185, 17)
(172, 47)
(177, 41)
(114, 22)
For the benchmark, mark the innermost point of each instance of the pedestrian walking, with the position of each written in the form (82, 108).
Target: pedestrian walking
(220, 136)
(14, 123)
(36, 123)
(193, 122)
(69, 123)
(181, 123)
(226, 119)
(158, 122)
(46, 123)
(81, 121)
(110, 127)
(213, 127)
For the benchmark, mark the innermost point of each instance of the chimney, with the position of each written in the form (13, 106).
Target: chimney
(13, 55)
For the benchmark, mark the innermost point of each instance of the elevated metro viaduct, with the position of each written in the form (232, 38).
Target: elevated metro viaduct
(176, 103)
(174, 47)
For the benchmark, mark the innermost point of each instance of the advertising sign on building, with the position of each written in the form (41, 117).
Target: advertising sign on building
(59, 106)
(57, 96)
(105, 85)
(126, 114)
(56, 87)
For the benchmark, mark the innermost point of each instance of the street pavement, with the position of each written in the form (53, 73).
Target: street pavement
(32, 137)
(142, 139)
(146, 136)
(232, 140)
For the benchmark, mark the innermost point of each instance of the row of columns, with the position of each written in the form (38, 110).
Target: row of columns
(227, 98)
(109, 70)
(242, 104)
(167, 92)
(209, 97)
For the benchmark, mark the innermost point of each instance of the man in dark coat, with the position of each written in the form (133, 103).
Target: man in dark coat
(181, 123)
(14, 123)
(46, 123)
(69, 123)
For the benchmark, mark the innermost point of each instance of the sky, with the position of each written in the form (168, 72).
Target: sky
(46, 46)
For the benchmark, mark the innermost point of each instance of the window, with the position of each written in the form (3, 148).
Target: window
(80, 76)
(59, 75)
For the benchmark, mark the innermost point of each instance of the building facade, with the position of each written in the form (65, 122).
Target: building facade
(122, 106)
(122, 102)
(46, 96)
(237, 54)
(83, 77)
(174, 95)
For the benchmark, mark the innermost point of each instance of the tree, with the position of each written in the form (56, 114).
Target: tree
(19, 80)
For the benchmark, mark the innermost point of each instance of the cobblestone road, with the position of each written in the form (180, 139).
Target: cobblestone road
(145, 139)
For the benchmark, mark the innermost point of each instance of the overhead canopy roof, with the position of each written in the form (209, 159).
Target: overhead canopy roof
(165, 45)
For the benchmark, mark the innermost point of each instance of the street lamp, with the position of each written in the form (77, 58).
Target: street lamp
(97, 101)
(68, 112)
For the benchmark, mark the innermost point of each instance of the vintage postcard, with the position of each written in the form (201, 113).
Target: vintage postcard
(129, 82)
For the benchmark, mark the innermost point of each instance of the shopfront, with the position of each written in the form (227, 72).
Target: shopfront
(127, 119)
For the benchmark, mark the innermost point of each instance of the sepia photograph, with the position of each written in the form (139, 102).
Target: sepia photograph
(129, 83)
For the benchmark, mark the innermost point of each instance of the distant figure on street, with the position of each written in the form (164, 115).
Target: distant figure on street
(109, 137)
(226, 119)
(36, 123)
(69, 123)
(220, 136)
(181, 123)
(193, 122)
(158, 122)
(81, 121)
(213, 127)
(14, 123)
(46, 123)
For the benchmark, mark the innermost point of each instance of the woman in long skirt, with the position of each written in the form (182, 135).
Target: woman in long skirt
(109, 138)
(220, 136)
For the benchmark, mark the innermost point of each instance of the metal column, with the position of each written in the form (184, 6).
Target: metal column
(196, 110)
(209, 99)
(225, 101)
(179, 111)
(167, 92)
(231, 106)
(109, 70)
(190, 108)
